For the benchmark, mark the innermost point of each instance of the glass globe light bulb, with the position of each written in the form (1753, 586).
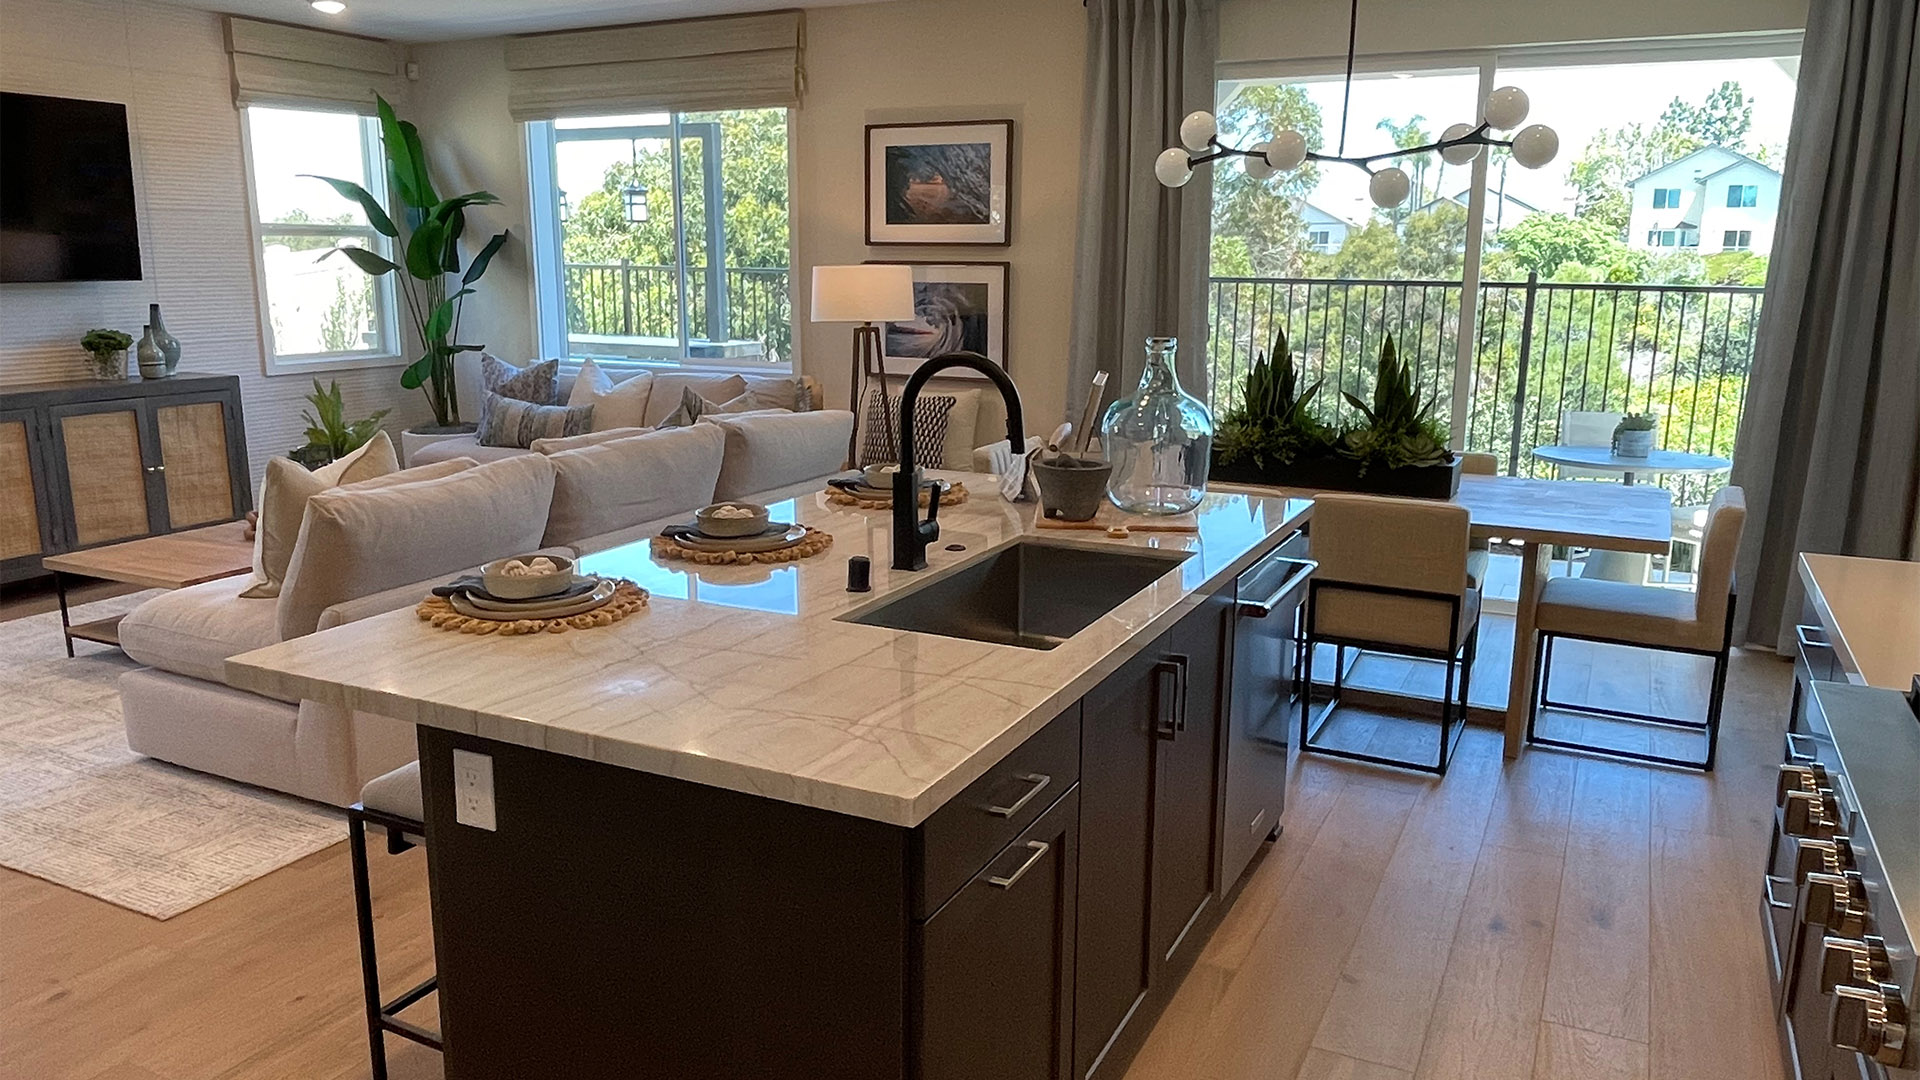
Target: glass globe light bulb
(1507, 108)
(1459, 155)
(1287, 150)
(1535, 145)
(1257, 165)
(1389, 188)
(1171, 167)
(1197, 130)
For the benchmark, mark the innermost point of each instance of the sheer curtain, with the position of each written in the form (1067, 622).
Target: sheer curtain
(1829, 447)
(1141, 263)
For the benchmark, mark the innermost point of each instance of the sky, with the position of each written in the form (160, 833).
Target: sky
(1575, 101)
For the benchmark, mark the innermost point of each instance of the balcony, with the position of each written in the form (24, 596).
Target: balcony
(741, 316)
(1538, 349)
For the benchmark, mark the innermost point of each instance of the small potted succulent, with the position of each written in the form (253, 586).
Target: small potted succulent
(108, 351)
(1633, 436)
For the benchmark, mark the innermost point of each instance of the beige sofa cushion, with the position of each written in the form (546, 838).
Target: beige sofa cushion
(621, 404)
(591, 438)
(666, 394)
(466, 446)
(283, 503)
(359, 542)
(192, 631)
(773, 450)
(597, 489)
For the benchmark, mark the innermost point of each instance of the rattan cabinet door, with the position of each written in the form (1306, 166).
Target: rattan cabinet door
(25, 524)
(102, 462)
(195, 459)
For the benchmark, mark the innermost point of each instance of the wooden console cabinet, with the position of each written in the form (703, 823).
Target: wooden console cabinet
(85, 463)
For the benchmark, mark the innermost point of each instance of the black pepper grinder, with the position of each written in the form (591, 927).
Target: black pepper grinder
(859, 574)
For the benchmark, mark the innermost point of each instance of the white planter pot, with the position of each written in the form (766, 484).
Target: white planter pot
(411, 442)
(1632, 444)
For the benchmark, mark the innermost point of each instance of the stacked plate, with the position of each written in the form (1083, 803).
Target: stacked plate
(775, 536)
(469, 597)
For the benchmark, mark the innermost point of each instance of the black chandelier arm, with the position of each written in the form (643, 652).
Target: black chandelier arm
(1477, 137)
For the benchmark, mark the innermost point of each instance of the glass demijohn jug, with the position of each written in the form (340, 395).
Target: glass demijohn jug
(1160, 441)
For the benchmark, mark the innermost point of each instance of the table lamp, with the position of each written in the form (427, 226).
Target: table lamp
(865, 294)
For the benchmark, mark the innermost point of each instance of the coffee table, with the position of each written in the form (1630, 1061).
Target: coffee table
(172, 561)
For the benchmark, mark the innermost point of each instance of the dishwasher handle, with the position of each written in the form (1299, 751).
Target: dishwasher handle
(1260, 609)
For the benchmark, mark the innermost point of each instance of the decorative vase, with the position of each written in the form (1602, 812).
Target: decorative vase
(168, 344)
(153, 362)
(110, 366)
(1160, 441)
(1633, 444)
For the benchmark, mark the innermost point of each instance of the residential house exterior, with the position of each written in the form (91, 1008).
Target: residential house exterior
(1326, 232)
(1503, 211)
(1711, 200)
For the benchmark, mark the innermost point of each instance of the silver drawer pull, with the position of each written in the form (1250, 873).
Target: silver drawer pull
(1254, 825)
(1801, 749)
(1039, 849)
(1812, 637)
(1039, 782)
(1260, 609)
(1773, 899)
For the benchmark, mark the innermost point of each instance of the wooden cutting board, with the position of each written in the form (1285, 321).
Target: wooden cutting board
(1111, 516)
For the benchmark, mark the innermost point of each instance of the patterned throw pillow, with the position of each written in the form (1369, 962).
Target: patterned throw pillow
(930, 416)
(537, 383)
(692, 407)
(518, 423)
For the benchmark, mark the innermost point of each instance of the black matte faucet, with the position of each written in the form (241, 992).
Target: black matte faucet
(911, 536)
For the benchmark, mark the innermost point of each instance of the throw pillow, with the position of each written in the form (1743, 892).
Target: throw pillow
(615, 404)
(667, 387)
(517, 423)
(778, 392)
(283, 505)
(692, 407)
(538, 383)
(931, 413)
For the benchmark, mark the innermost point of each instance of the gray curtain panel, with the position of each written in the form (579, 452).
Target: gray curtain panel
(1141, 265)
(1829, 446)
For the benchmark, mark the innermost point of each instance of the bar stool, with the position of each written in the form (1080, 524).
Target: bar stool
(392, 802)
(1392, 579)
(1645, 617)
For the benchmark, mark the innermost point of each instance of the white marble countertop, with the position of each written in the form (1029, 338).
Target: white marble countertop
(1871, 611)
(743, 677)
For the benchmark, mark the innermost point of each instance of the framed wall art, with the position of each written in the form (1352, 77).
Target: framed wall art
(958, 306)
(944, 183)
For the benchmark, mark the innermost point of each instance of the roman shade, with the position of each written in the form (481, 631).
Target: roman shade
(294, 65)
(731, 62)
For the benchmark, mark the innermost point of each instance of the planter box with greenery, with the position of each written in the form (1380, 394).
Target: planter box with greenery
(1271, 437)
(330, 436)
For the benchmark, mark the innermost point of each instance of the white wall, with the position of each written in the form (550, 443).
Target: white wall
(1255, 30)
(169, 66)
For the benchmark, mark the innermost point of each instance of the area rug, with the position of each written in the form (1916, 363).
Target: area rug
(79, 809)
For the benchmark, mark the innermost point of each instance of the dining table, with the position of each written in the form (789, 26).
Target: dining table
(1603, 459)
(1539, 514)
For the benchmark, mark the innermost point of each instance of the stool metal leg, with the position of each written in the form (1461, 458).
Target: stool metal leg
(369, 962)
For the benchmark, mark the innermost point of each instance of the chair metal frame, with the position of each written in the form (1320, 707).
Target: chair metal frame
(1716, 698)
(383, 1016)
(1458, 655)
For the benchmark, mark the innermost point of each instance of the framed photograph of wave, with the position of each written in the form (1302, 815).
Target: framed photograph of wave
(959, 306)
(941, 183)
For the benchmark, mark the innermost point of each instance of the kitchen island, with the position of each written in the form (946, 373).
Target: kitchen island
(742, 835)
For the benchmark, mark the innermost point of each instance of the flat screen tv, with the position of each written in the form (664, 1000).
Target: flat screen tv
(66, 191)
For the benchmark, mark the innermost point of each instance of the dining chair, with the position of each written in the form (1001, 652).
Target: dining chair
(1392, 579)
(1583, 428)
(1647, 617)
(1479, 550)
(391, 802)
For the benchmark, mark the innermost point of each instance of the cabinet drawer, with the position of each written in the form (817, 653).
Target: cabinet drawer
(950, 847)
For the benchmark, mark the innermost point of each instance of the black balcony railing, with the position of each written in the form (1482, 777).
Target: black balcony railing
(1539, 349)
(628, 300)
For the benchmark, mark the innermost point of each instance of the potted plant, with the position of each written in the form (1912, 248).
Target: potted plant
(330, 436)
(108, 351)
(430, 247)
(1633, 435)
(1270, 437)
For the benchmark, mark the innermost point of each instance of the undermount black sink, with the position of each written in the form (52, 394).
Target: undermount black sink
(1030, 594)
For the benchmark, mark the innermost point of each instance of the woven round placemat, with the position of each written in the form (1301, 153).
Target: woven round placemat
(954, 494)
(813, 543)
(627, 598)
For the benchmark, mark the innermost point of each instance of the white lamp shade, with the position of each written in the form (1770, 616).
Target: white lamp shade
(870, 292)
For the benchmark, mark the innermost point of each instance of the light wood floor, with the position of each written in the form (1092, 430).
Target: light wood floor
(1557, 918)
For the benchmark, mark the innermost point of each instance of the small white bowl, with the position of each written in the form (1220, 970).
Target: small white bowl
(728, 528)
(527, 587)
(880, 476)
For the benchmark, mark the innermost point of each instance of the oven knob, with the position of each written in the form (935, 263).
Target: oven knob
(1793, 777)
(1813, 856)
(1837, 902)
(1852, 962)
(1870, 1020)
(1810, 813)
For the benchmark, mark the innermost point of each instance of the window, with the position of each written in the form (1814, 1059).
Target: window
(1689, 238)
(320, 311)
(1321, 238)
(664, 239)
(1742, 195)
(1737, 239)
(1666, 198)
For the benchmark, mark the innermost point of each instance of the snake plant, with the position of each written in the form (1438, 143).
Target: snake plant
(1398, 430)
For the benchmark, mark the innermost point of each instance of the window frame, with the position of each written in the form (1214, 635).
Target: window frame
(387, 316)
(1743, 196)
(546, 231)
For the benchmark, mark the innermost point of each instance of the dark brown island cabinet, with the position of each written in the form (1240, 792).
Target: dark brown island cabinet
(617, 923)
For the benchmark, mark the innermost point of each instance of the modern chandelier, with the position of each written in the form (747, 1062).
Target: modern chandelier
(1505, 109)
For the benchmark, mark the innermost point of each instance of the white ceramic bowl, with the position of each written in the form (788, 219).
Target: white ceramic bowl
(527, 587)
(881, 476)
(705, 520)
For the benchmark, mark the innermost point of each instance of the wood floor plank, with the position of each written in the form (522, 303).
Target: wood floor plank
(1566, 1053)
(1486, 1024)
(1530, 810)
(1597, 979)
(1326, 1065)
